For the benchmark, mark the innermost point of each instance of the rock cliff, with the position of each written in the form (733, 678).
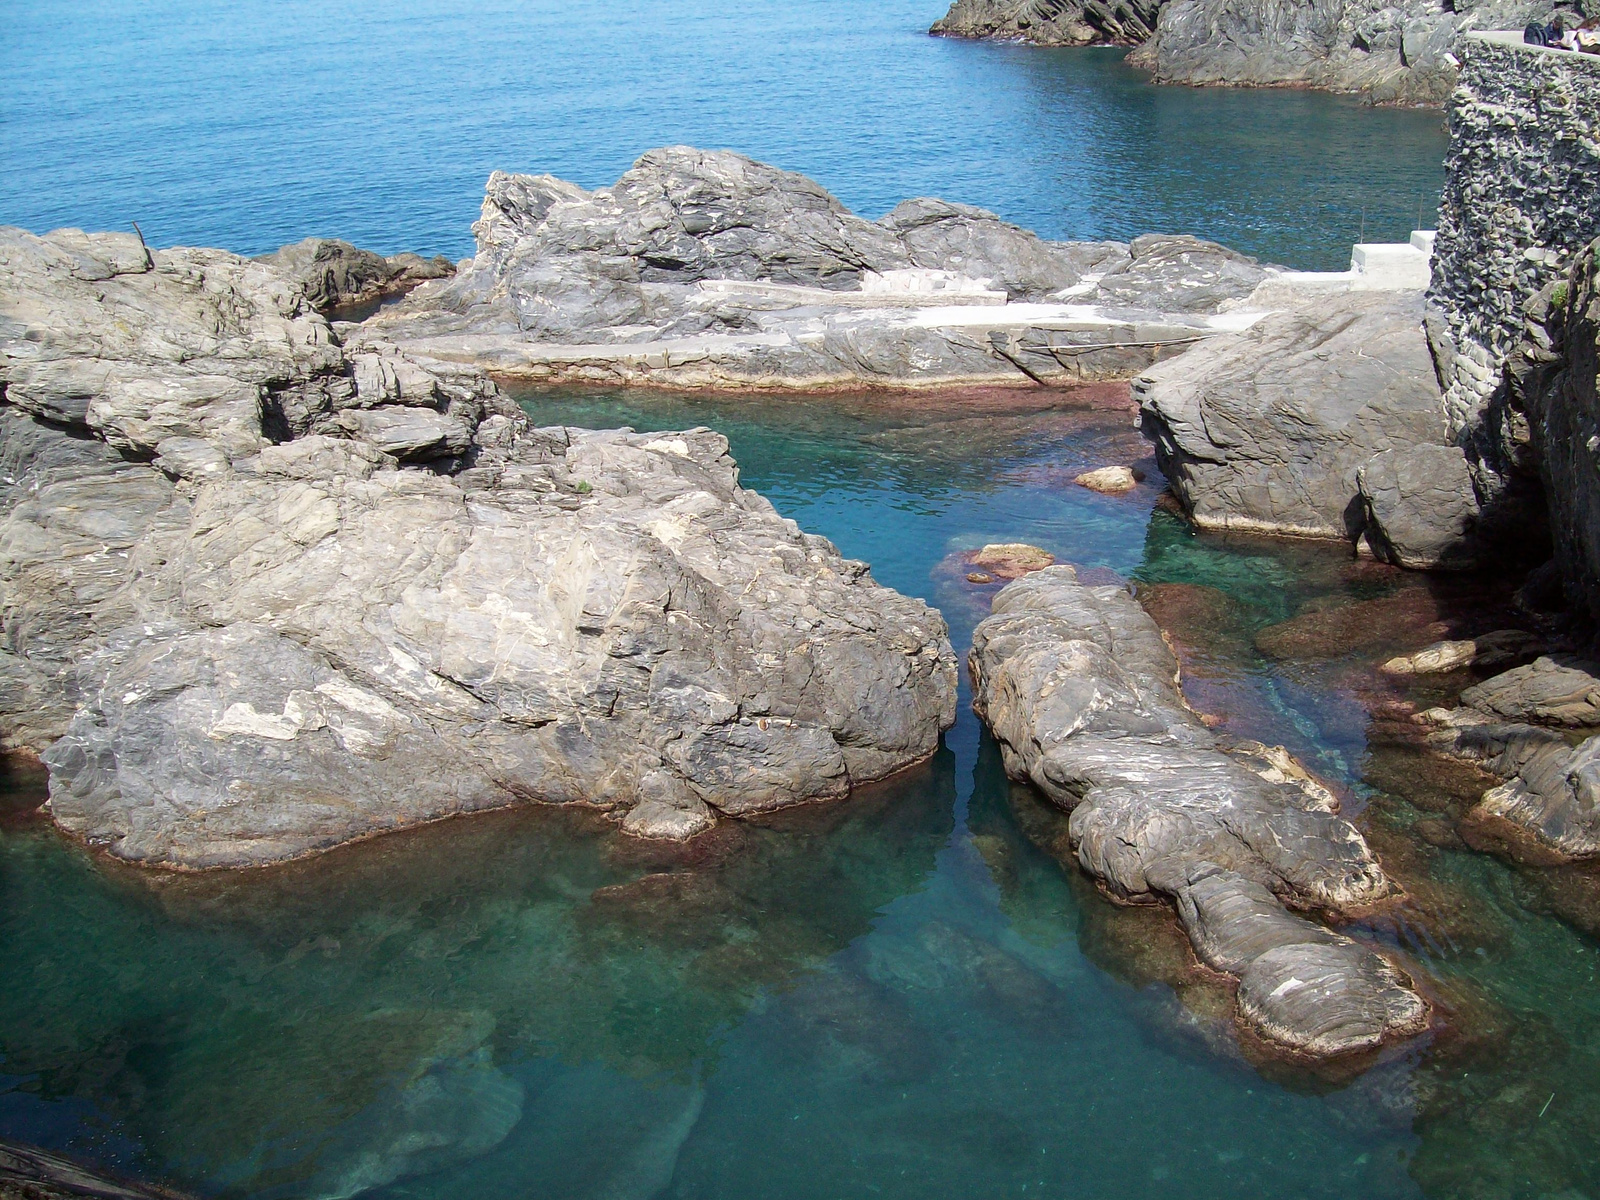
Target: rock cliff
(1387, 53)
(1080, 690)
(261, 595)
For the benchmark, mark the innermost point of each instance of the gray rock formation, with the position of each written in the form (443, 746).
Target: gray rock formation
(334, 273)
(1269, 429)
(1051, 22)
(1420, 507)
(1516, 724)
(1389, 53)
(705, 268)
(242, 629)
(1080, 690)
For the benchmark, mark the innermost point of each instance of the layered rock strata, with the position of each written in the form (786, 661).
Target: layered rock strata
(705, 268)
(1080, 690)
(1051, 22)
(1525, 725)
(261, 595)
(1388, 53)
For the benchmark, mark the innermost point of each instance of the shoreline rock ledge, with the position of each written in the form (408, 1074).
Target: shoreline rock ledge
(261, 596)
(1080, 690)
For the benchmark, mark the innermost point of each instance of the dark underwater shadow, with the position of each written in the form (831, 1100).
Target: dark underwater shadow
(383, 1010)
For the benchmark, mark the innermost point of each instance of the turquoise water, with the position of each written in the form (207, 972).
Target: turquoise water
(904, 994)
(250, 125)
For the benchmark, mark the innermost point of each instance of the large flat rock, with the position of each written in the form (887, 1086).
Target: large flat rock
(1080, 690)
(1268, 429)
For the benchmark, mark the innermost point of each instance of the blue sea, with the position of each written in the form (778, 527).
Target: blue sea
(254, 124)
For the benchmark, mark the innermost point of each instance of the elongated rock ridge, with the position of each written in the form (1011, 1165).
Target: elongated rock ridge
(261, 595)
(1080, 689)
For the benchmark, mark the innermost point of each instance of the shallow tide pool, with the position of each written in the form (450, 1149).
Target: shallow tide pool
(903, 994)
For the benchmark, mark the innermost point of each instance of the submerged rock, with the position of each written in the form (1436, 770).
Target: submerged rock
(1112, 481)
(1081, 692)
(242, 629)
(1268, 429)
(1010, 560)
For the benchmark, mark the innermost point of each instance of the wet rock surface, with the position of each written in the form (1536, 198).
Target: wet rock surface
(1080, 690)
(243, 629)
(705, 268)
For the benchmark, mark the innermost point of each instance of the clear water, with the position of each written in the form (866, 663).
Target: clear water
(905, 994)
(250, 125)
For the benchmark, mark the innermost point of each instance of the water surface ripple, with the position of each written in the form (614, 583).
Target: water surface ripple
(248, 126)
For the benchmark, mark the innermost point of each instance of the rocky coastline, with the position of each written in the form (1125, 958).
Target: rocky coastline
(1404, 53)
(273, 582)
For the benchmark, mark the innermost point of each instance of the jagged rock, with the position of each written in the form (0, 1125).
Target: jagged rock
(334, 273)
(1267, 429)
(1556, 384)
(1050, 22)
(1548, 691)
(1080, 690)
(1421, 508)
(1388, 52)
(975, 242)
(254, 647)
(1175, 271)
(705, 268)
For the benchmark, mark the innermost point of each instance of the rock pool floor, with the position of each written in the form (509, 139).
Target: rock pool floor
(903, 994)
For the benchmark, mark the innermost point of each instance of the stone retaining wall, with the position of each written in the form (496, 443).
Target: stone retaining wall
(1522, 193)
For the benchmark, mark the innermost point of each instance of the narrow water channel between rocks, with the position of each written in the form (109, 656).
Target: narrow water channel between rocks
(907, 993)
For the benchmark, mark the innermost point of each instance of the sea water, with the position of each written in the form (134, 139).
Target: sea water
(908, 993)
(250, 125)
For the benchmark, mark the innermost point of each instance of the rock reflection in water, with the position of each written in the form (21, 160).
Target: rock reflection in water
(392, 1009)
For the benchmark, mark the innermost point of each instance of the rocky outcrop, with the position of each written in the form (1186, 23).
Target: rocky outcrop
(1079, 688)
(243, 627)
(708, 269)
(1271, 429)
(1388, 53)
(1051, 22)
(1516, 724)
(332, 273)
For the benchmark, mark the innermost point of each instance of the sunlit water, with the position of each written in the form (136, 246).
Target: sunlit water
(903, 994)
(250, 125)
